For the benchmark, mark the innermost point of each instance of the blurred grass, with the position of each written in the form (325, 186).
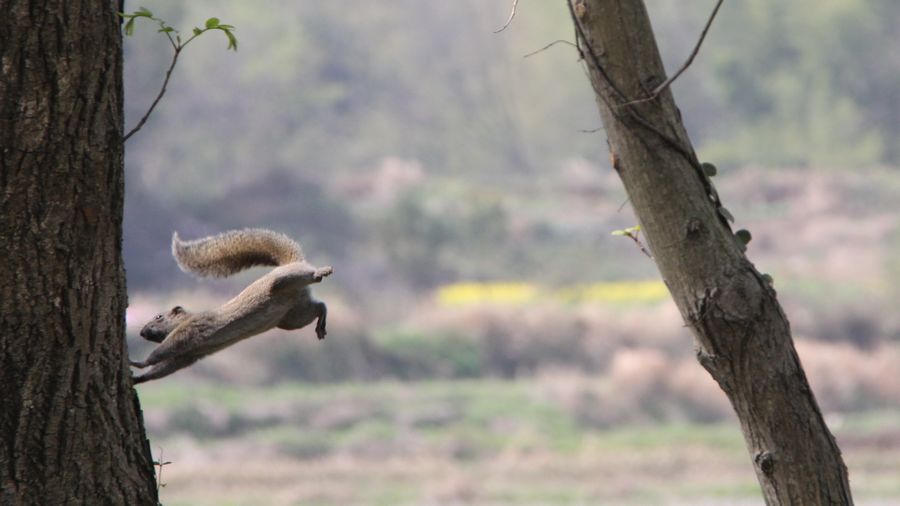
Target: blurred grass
(460, 442)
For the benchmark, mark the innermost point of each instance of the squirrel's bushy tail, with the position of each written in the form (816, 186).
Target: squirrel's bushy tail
(231, 252)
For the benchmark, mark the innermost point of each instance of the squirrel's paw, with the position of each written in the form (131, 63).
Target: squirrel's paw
(320, 331)
(322, 272)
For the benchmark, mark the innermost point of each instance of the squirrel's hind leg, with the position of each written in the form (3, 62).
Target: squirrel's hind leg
(303, 314)
(322, 311)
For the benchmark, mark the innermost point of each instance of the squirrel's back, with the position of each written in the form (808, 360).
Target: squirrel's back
(230, 252)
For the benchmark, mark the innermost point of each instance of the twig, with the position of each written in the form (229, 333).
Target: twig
(634, 237)
(548, 46)
(160, 464)
(615, 108)
(633, 233)
(668, 82)
(591, 131)
(177, 47)
(161, 91)
(512, 14)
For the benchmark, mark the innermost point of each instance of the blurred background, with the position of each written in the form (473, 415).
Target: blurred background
(490, 341)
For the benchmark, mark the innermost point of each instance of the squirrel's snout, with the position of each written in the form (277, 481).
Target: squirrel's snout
(152, 335)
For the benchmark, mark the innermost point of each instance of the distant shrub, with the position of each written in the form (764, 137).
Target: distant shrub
(412, 355)
(201, 421)
(306, 449)
(846, 378)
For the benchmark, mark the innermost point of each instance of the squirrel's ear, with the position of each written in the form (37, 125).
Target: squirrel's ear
(177, 310)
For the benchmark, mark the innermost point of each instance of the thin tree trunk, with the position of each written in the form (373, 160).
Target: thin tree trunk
(70, 423)
(742, 336)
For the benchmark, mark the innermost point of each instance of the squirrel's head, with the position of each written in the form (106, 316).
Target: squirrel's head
(162, 324)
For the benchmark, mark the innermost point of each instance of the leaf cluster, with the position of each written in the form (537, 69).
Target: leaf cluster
(174, 35)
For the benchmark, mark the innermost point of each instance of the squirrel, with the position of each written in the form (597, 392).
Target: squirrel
(280, 298)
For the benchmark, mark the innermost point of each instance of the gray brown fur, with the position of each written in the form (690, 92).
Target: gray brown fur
(280, 298)
(162, 324)
(231, 252)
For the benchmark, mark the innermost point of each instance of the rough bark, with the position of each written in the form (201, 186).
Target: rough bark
(70, 424)
(742, 336)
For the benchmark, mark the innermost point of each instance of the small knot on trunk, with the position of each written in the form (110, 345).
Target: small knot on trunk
(766, 462)
(694, 229)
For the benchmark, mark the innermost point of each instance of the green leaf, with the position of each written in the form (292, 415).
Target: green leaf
(232, 40)
(726, 214)
(744, 236)
(628, 231)
(166, 29)
(709, 169)
(768, 279)
(129, 27)
(212, 23)
(144, 12)
(197, 31)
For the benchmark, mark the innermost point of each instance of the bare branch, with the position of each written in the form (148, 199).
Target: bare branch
(585, 47)
(158, 97)
(512, 14)
(548, 46)
(668, 82)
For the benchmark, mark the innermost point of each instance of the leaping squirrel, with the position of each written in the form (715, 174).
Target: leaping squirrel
(280, 298)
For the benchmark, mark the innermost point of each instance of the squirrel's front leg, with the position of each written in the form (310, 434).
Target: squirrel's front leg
(165, 368)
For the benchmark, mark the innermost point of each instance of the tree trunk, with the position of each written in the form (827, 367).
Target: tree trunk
(71, 430)
(742, 336)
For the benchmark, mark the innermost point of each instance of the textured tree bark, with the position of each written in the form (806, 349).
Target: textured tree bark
(71, 430)
(742, 336)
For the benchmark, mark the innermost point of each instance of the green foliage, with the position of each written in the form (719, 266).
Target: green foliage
(813, 91)
(427, 232)
(141, 13)
(172, 34)
(627, 232)
(442, 355)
